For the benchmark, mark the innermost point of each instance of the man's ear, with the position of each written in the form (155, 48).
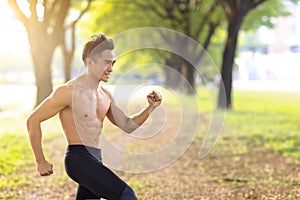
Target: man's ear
(89, 62)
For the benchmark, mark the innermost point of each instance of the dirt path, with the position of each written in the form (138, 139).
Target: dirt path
(236, 169)
(253, 173)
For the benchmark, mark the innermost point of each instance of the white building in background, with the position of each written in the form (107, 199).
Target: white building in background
(287, 31)
(279, 68)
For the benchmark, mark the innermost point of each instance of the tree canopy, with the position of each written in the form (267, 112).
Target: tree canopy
(205, 21)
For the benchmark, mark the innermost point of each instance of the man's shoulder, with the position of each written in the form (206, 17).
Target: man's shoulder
(106, 91)
(64, 90)
(68, 86)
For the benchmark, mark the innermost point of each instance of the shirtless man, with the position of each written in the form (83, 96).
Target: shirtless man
(82, 104)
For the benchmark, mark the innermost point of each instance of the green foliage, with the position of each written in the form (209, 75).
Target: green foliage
(216, 47)
(264, 15)
(250, 40)
(116, 16)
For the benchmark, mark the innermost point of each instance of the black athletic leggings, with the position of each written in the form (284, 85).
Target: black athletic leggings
(83, 164)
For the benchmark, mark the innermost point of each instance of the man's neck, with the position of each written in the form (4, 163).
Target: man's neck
(90, 81)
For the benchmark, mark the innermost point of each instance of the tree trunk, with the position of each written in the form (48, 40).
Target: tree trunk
(44, 35)
(172, 72)
(43, 77)
(68, 57)
(235, 11)
(68, 48)
(191, 88)
(67, 64)
(42, 50)
(180, 74)
(224, 100)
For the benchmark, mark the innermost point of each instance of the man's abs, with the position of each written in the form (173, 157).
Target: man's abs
(80, 132)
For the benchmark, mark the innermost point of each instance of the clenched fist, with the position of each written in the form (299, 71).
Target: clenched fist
(44, 168)
(154, 98)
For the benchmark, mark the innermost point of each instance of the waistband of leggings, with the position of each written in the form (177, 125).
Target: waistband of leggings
(78, 148)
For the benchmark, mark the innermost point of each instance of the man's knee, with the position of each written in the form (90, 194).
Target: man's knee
(128, 194)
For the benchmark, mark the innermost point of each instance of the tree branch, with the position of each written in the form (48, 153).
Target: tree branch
(60, 19)
(32, 7)
(224, 5)
(204, 22)
(17, 11)
(63, 11)
(72, 27)
(48, 11)
(258, 2)
(212, 29)
(81, 13)
(150, 6)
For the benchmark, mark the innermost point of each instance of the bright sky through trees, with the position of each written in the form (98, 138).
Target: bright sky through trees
(13, 35)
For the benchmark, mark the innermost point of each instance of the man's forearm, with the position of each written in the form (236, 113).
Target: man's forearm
(142, 116)
(35, 137)
(126, 123)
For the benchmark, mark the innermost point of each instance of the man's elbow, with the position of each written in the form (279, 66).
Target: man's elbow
(129, 130)
(131, 126)
(31, 122)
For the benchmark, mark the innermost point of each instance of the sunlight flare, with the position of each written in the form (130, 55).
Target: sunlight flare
(13, 36)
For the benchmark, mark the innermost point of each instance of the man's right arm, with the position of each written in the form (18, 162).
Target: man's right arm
(59, 99)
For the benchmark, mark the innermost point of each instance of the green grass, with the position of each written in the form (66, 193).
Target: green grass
(15, 153)
(16, 157)
(270, 119)
(17, 160)
(267, 118)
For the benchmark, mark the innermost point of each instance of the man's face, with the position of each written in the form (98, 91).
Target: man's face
(103, 65)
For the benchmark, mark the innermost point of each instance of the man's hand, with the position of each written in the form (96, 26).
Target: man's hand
(154, 98)
(44, 168)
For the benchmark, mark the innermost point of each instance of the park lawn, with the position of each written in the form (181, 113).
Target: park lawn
(269, 119)
(17, 160)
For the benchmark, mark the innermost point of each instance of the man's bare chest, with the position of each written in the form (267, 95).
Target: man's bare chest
(102, 105)
(90, 105)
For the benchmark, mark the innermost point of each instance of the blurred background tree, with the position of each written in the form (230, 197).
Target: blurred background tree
(214, 24)
(196, 19)
(46, 23)
(236, 11)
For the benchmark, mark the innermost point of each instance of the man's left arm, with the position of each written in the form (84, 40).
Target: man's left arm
(118, 117)
(154, 100)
